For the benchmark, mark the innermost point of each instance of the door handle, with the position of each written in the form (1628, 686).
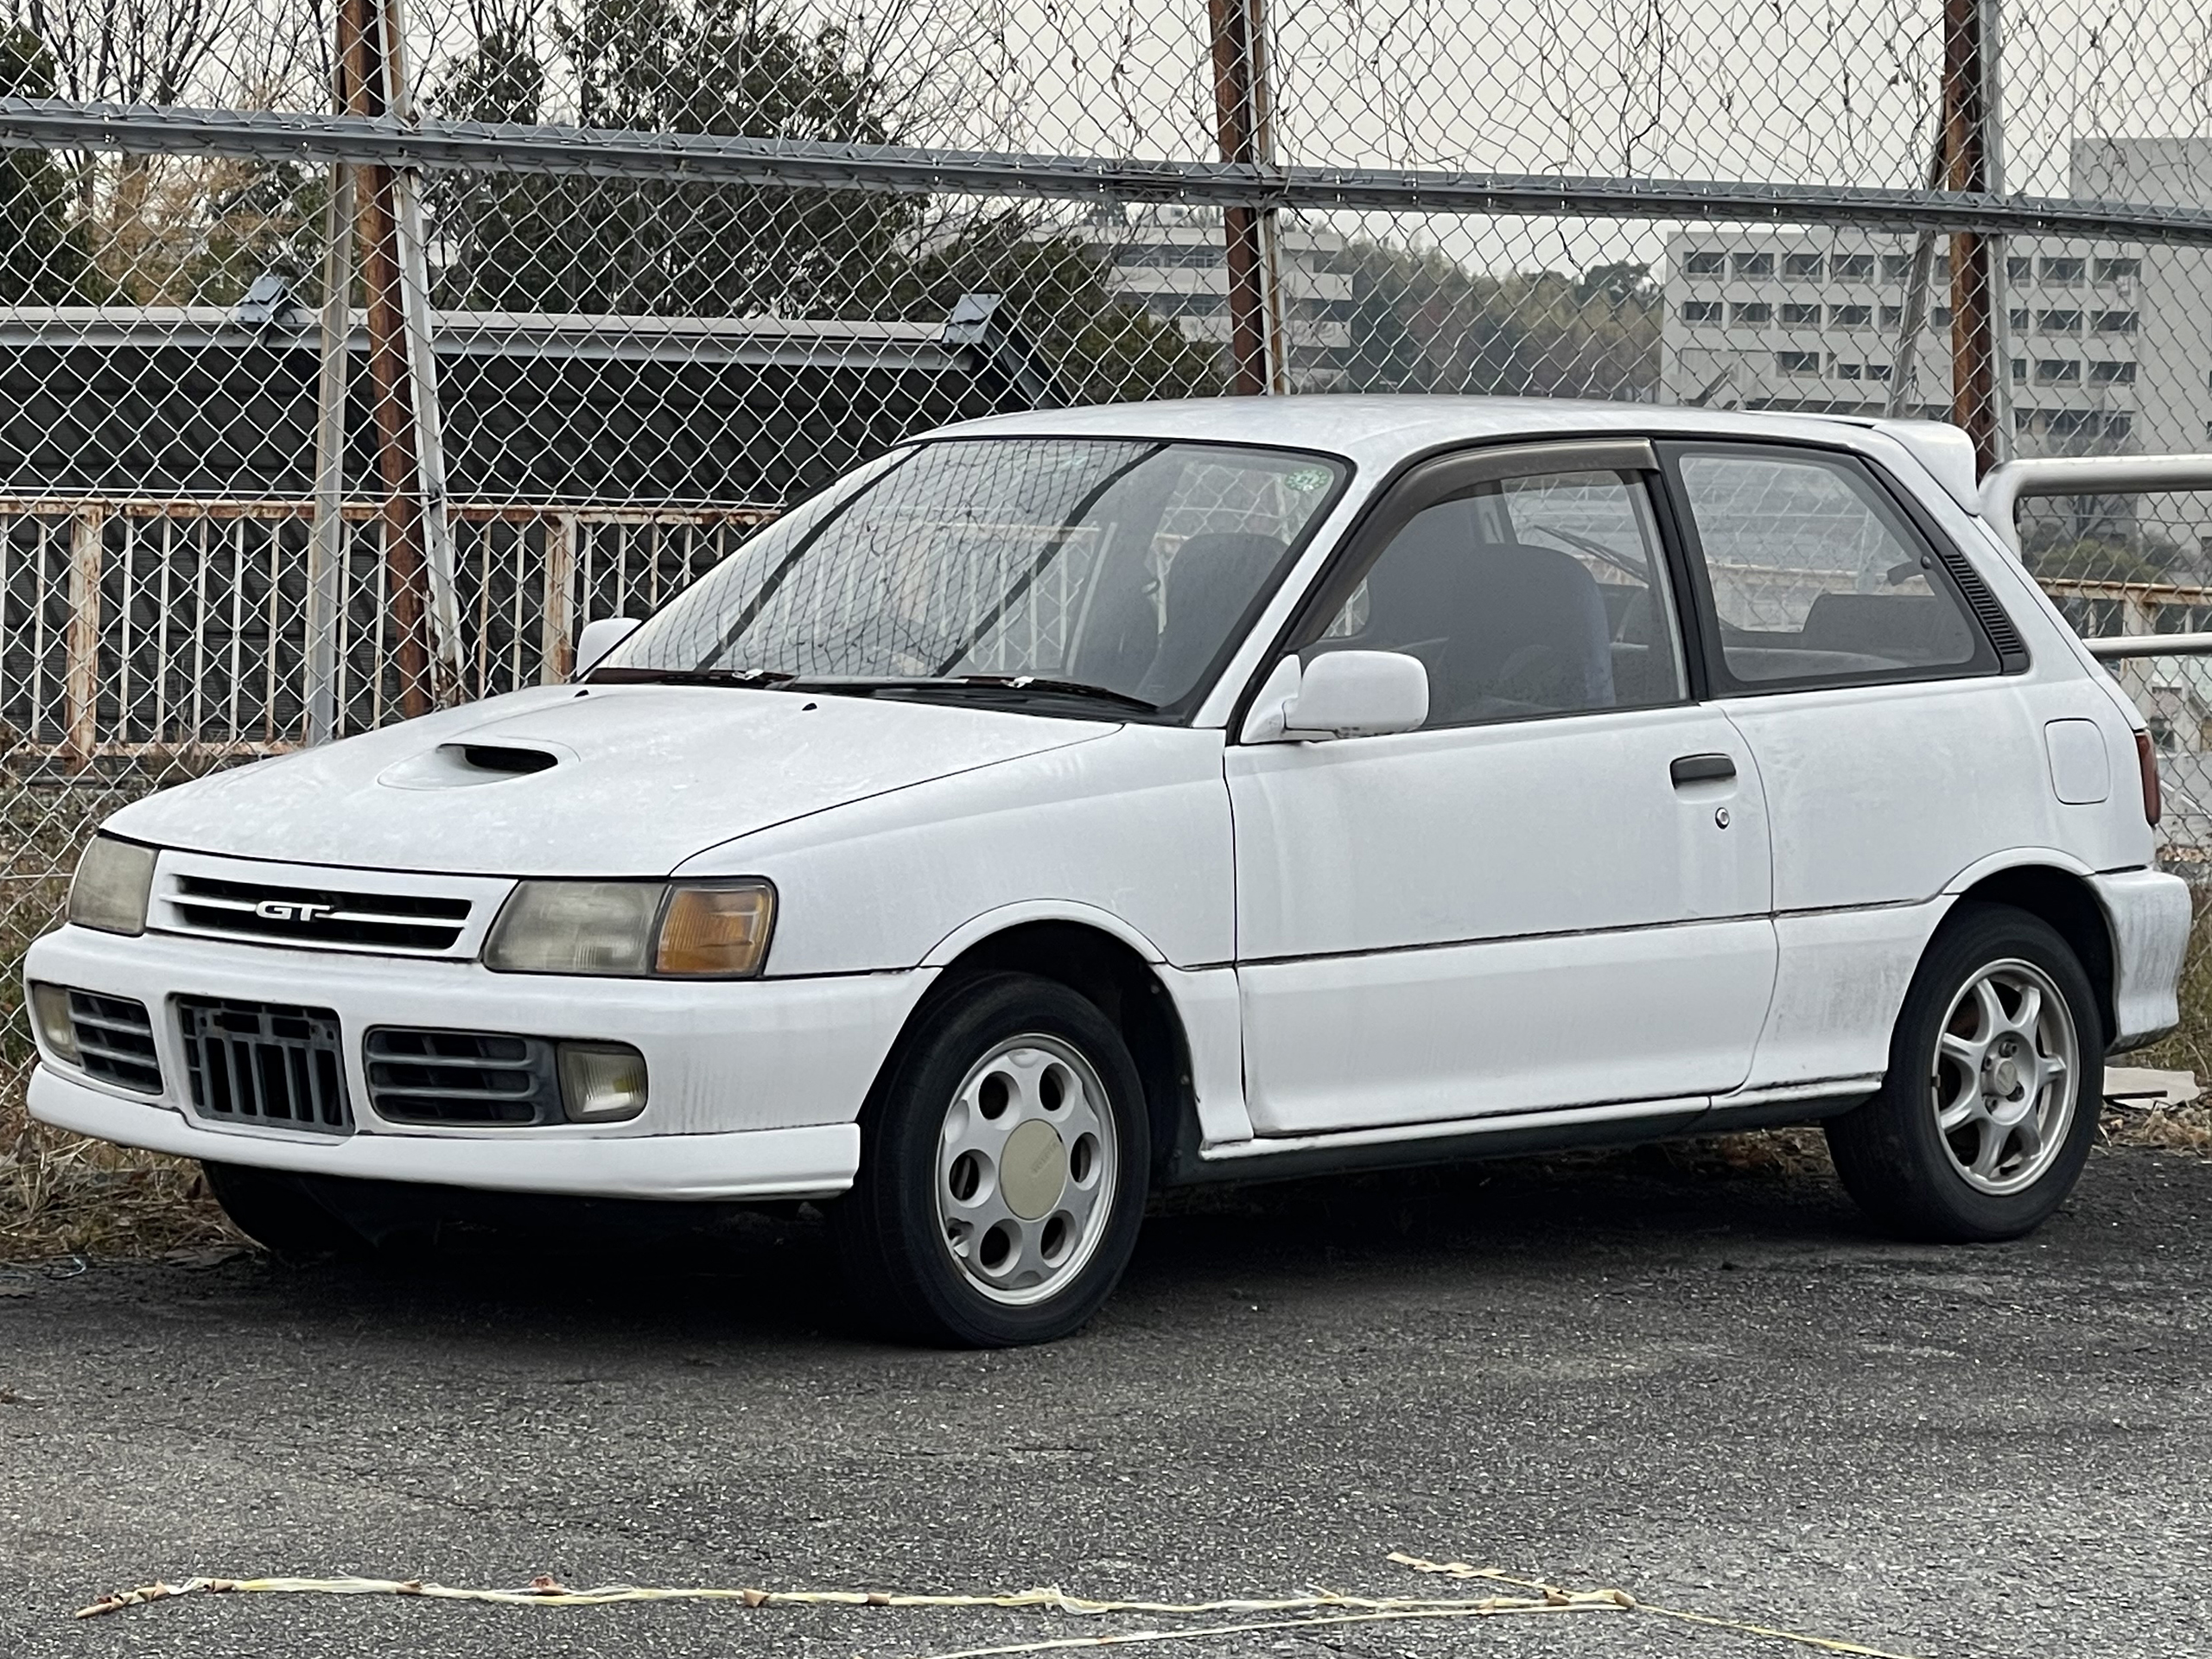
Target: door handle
(1701, 769)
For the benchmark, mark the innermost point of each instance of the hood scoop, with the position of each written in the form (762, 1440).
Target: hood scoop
(462, 766)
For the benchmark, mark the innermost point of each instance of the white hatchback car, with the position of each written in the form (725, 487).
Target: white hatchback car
(1071, 802)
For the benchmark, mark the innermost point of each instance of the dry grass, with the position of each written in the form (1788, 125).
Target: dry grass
(61, 1195)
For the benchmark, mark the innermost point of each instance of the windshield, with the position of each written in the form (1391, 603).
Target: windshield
(1112, 569)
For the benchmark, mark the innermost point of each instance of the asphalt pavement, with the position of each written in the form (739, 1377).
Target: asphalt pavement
(1715, 1390)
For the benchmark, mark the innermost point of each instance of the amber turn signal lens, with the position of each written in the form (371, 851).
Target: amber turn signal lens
(721, 932)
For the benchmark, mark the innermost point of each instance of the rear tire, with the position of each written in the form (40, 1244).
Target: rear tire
(1003, 1169)
(279, 1211)
(1986, 1116)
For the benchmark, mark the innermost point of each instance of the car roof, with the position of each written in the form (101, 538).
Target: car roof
(1380, 429)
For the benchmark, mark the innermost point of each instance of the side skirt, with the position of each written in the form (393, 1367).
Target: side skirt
(1575, 1128)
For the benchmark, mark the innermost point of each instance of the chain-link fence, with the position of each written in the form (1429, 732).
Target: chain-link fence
(351, 358)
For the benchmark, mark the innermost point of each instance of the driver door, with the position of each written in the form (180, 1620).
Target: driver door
(1555, 893)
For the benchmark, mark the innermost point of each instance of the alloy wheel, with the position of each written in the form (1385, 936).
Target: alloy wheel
(2004, 1083)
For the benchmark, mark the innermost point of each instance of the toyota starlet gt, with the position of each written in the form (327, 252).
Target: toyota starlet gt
(1074, 803)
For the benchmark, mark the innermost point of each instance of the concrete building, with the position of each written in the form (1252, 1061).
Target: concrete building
(1170, 260)
(2108, 345)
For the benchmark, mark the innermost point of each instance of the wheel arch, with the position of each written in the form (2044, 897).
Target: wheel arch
(2061, 896)
(1107, 963)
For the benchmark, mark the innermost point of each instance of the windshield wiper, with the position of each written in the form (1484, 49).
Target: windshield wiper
(739, 677)
(1019, 684)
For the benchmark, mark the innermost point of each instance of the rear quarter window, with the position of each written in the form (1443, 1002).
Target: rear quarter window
(1813, 575)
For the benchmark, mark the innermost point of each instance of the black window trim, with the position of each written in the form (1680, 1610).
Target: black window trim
(1428, 480)
(1994, 656)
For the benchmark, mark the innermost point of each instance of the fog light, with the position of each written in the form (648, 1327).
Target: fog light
(601, 1082)
(50, 1008)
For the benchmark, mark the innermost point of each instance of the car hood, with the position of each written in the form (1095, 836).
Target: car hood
(560, 780)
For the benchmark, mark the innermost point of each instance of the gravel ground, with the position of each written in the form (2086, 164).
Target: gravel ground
(1712, 1388)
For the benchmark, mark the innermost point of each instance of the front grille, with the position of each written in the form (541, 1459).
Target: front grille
(115, 1040)
(318, 916)
(460, 1076)
(265, 1063)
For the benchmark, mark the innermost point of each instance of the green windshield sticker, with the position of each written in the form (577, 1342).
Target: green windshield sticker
(1311, 478)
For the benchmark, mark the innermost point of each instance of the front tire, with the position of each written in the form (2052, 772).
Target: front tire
(1002, 1171)
(279, 1211)
(1987, 1112)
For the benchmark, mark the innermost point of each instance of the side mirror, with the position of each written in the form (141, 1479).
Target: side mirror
(1342, 694)
(597, 640)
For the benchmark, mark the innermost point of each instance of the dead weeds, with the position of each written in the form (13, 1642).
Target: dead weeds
(62, 1195)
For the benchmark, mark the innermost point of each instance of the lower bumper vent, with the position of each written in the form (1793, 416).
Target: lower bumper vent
(115, 1040)
(461, 1076)
(265, 1063)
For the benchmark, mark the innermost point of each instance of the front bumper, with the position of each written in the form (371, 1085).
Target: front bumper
(754, 1086)
(812, 1162)
(2150, 914)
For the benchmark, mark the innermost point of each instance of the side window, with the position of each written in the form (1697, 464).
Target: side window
(1816, 577)
(1536, 595)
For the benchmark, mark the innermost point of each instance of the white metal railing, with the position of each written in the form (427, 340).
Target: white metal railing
(133, 626)
(2010, 482)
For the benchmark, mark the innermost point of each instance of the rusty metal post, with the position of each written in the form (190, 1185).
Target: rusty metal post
(429, 449)
(1245, 127)
(80, 678)
(391, 396)
(1966, 168)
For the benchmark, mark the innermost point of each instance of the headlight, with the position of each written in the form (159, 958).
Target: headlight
(704, 929)
(114, 880)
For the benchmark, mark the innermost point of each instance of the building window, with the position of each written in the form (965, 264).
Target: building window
(2114, 322)
(1849, 370)
(2016, 318)
(1757, 311)
(1796, 362)
(1878, 371)
(1705, 264)
(2018, 269)
(2056, 371)
(1755, 265)
(1850, 316)
(1852, 268)
(2058, 323)
(2114, 270)
(1700, 310)
(2112, 374)
(2062, 271)
(1896, 267)
(1803, 265)
(1892, 316)
(2019, 369)
(1940, 317)
(1801, 314)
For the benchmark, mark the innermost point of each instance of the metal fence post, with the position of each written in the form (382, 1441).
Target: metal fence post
(556, 631)
(422, 377)
(1245, 126)
(361, 55)
(327, 541)
(1966, 134)
(81, 680)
